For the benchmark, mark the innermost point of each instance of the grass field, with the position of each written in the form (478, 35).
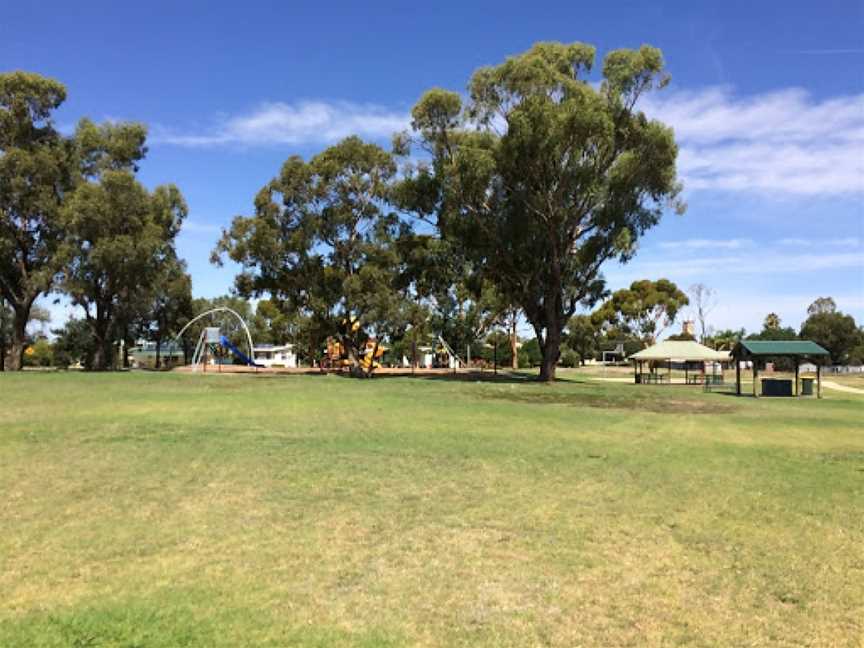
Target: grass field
(181, 510)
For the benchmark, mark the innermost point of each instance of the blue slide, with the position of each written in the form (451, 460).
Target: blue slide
(225, 342)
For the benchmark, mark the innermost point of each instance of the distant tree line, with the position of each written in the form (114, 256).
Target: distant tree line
(632, 317)
(497, 208)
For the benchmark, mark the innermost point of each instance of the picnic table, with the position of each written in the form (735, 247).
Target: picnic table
(656, 378)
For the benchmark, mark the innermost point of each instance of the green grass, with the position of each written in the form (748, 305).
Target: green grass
(180, 510)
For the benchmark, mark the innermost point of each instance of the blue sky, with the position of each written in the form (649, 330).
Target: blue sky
(767, 101)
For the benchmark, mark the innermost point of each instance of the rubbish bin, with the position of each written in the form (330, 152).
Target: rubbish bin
(776, 387)
(806, 386)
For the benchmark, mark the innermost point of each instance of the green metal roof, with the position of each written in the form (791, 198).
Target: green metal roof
(780, 348)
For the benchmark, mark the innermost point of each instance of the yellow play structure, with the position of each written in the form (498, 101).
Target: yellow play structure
(336, 356)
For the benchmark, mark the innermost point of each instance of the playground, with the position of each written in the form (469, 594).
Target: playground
(172, 509)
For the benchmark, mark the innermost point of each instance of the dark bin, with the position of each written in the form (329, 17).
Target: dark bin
(806, 386)
(776, 387)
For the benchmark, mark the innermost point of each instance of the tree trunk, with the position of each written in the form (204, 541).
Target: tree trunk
(124, 363)
(158, 353)
(19, 339)
(514, 345)
(551, 353)
(102, 357)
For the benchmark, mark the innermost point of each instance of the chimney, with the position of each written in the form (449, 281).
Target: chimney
(688, 327)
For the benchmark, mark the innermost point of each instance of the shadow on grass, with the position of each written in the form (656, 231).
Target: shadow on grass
(631, 401)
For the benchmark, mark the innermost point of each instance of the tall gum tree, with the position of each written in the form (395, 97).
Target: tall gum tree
(323, 241)
(644, 310)
(118, 235)
(35, 176)
(541, 177)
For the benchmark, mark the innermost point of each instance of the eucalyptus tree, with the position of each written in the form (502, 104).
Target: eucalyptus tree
(273, 323)
(35, 176)
(582, 336)
(832, 329)
(323, 240)
(6, 317)
(169, 303)
(704, 301)
(459, 305)
(541, 176)
(118, 235)
(645, 309)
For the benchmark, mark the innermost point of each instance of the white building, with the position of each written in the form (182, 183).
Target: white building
(275, 355)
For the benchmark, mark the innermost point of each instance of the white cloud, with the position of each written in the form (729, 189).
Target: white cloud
(735, 310)
(784, 141)
(199, 227)
(743, 269)
(849, 241)
(710, 244)
(304, 122)
(768, 262)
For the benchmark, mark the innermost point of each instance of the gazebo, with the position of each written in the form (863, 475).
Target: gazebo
(676, 351)
(757, 351)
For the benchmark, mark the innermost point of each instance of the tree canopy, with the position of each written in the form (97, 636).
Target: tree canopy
(833, 330)
(541, 177)
(645, 309)
(118, 236)
(35, 174)
(323, 240)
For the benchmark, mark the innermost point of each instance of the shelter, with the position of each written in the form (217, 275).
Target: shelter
(759, 351)
(691, 354)
(143, 354)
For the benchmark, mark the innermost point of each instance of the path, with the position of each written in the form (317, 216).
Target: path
(830, 384)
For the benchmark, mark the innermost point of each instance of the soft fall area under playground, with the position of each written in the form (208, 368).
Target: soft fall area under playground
(186, 510)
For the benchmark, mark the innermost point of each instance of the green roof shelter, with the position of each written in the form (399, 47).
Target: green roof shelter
(756, 351)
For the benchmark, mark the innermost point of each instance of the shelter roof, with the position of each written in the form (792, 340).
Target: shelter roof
(680, 350)
(778, 348)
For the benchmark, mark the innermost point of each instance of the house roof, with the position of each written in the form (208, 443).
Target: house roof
(778, 348)
(272, 347)
(680, 350)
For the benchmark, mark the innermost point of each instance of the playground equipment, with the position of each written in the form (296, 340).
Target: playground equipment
(224, 324)
(336, 356)
(453, 361)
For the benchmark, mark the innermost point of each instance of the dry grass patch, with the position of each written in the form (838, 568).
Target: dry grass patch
(163, 510)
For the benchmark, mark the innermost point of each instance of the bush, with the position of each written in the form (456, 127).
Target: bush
(529, 354)
(569, 358)
(39, 354)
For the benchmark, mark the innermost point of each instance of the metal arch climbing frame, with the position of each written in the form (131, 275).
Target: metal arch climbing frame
(451, 352)
(221, 309)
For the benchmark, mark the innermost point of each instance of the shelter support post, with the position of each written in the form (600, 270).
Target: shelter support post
(737, 377)
(796, 377)
(818, 381)
(755, 378)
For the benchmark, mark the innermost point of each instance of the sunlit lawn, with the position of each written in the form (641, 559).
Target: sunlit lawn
(182, 510)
